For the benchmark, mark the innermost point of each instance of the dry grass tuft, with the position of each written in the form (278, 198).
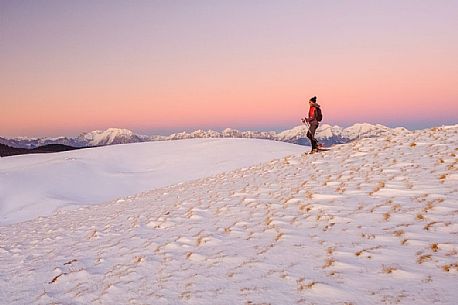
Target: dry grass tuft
(420, 217)
(442, 178)
(341, 189)
(379, 186)
(305, 208)
(448, 267)
(396, 207)
(386, 216)
(358, 253)
(398, 233)
(453, 252)
(309, 195)
(428, 207)
(268, 221)
(388, 269)
(429, 225)
(435, 247)
(368, 235)
(200, 240)
(328, 263)
(138, 259)
(423, 258)
(301, 285)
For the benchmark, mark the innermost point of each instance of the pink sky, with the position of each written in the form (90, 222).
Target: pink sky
(159, 66)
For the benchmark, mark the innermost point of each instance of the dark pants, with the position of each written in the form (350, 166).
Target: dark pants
(311, 134)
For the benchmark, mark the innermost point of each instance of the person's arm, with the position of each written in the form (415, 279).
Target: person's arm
(311, 117)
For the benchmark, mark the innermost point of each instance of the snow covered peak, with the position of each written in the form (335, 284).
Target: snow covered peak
(365, 130)
(296, 132)
(328, 134)
(110, 136)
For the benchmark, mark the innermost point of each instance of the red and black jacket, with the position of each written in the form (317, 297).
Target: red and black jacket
(312, 115)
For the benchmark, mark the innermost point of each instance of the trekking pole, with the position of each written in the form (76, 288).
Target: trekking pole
(306, 123)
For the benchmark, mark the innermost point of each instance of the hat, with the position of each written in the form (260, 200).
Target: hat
(313, 99)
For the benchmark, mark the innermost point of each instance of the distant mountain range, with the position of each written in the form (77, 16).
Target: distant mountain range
(88, 139)
(326, 134)
(6, 150)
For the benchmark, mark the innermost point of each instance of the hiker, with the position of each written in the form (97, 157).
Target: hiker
(313, 118)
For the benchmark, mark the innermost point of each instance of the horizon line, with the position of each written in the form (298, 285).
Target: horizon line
(171, 131)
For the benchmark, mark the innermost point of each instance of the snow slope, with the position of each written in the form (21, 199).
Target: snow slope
(35, 185)
(374, 221)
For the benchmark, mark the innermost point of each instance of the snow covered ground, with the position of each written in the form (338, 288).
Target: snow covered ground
(374, 221)
(36, 185)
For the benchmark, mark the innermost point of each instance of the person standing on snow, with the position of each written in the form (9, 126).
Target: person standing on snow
(313, 118)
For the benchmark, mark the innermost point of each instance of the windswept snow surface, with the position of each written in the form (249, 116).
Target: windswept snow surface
(370, 222)
(36, 185)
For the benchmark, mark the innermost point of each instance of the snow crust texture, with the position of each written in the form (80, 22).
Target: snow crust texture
(370, 222)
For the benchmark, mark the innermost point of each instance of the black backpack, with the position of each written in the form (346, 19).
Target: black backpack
(319, 115)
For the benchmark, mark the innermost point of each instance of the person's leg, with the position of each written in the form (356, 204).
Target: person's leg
(311, 135)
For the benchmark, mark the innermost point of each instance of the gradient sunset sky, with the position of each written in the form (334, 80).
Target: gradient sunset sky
(157, 67)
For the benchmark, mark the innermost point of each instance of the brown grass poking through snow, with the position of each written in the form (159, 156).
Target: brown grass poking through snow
(200, 240)
(423, 258)
(138, 259)
(429, 225)
(328, 263)
(305, 208)
(398, 233)
(301, 285)
(442, 178)
(448, 267)
(420, 217)
(388, 269)
(396, 208)
(386, 216)
(379, 186)
(309, 195)
(435, 247)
